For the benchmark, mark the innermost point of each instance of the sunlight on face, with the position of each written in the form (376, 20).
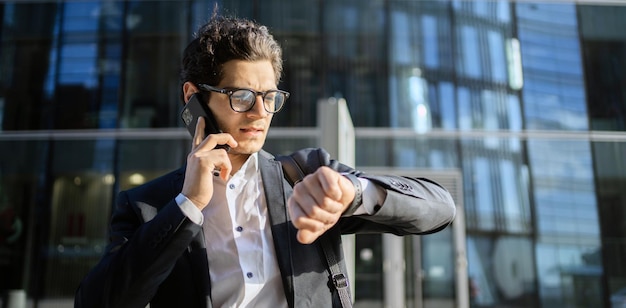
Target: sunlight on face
(248, 128)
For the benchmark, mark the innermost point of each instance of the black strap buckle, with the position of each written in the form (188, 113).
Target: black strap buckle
(340, 281)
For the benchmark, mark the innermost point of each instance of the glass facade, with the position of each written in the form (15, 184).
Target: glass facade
(526, 100)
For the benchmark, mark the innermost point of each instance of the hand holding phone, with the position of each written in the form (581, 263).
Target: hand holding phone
(196, 108)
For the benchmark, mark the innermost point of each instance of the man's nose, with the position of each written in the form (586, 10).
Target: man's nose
(259, 107)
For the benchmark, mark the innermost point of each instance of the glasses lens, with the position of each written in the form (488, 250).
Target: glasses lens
(242, 100)
(274, 101)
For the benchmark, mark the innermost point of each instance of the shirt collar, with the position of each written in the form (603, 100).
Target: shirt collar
(249, 168)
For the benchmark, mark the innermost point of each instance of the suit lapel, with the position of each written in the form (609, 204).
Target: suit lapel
(273, 184)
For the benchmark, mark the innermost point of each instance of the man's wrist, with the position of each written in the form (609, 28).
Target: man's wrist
(189, 209)
(358, 194)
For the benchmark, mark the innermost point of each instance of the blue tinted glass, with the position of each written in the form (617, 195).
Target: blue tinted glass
(401, 42)
(81, 16)
(563, 268)
(470, 57)
(483, 194)
(78, 64)
(465, 114)
(438, 264)
(514, 113)
(497, 58)
(447, 105)
(554, 96)
(431, 42)
(568, 228)
(501, 271)
(503, 11)
(515, 205)
(496, 183)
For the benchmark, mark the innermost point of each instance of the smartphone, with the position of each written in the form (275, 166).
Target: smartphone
(196, 108)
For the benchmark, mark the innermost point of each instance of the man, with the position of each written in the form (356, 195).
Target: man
(244, 237)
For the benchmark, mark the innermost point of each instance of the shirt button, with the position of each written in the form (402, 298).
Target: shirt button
(239, 228)
(231, 186)
(249, 275)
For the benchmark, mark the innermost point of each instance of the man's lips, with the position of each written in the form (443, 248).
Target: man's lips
(252, 130)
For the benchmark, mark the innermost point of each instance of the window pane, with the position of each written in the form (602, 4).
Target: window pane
(568, 231)
(501, 271)
(157, 34)
(604, 44)
(438, 269)
(496, 185)
(554, 89)
(81, 198)
(20, 199)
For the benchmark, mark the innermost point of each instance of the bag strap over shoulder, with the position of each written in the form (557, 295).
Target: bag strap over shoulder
(294, 174)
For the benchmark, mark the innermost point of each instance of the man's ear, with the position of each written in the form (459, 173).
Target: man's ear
(189, 89)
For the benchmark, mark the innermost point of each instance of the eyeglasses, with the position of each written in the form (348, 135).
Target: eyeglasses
(242, 100)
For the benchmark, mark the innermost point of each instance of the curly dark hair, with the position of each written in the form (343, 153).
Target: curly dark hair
(223, 39)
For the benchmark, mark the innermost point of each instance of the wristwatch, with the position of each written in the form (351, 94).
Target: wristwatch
(358, 194)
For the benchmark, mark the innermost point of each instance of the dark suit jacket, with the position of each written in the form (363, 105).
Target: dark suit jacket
(157, 255)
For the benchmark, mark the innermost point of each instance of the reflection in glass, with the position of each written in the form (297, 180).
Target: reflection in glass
(469, 60)
(143, 160)
(554, 88)
(21, 197)
(568, 232)
(610, 169)
(501, 271)
(80, 203)
(368, 263)
(564, 192)
(496, 187)
(602, 35)
(151, 96)
(447, 114)
(569, 275)
(79, 217)
(431, 46)
(437, 257)
(496, 56)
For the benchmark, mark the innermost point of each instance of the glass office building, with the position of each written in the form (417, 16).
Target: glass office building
(522, 104)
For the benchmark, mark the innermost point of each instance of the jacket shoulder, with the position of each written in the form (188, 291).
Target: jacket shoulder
(309, 159)
(164, 187)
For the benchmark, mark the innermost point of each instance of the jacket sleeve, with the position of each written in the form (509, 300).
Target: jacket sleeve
(412, 205)
(139, 257)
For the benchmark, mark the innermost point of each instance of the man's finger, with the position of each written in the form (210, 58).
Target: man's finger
(301, 219)
(328, 180)
(198, 135)
(309, 229)
(307, 237)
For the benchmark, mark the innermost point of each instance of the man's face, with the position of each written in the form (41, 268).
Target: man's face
(248, 128)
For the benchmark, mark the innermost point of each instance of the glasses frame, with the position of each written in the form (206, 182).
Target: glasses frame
(231, 91)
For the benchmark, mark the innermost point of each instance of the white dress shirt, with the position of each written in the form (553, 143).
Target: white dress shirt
(240, 250)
